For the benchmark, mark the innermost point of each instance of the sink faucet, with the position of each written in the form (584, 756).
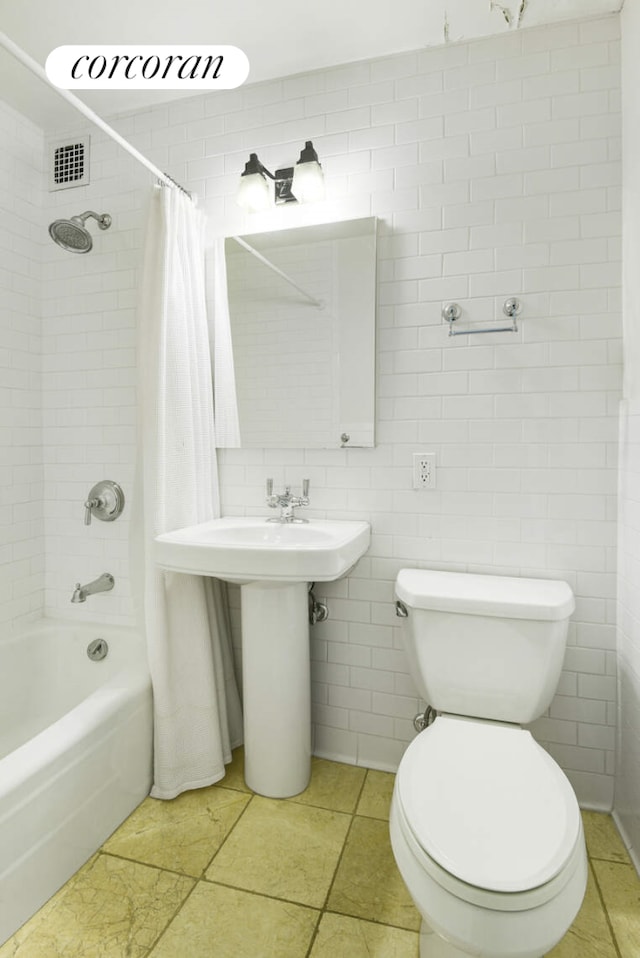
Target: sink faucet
(287, 502)
(103, 584)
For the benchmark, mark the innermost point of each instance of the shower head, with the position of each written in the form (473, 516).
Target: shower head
(73, 235)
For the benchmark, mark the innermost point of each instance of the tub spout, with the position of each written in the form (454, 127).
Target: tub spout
(102, 584)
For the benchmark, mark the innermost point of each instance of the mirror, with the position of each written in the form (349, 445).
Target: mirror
(304, 335)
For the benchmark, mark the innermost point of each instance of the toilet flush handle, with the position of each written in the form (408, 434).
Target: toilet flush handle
(401, 610)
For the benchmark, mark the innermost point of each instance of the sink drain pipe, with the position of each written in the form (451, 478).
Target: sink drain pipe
(318, 611)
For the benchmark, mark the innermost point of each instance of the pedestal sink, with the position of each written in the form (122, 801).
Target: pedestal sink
(273, 563)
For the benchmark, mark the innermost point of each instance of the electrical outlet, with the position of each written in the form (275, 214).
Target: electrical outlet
(424, 470)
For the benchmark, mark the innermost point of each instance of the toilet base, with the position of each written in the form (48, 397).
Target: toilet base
(433, 946)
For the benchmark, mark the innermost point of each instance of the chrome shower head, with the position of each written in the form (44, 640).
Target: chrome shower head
(73, 235)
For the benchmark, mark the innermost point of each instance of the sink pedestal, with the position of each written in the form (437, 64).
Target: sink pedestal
(276, 687)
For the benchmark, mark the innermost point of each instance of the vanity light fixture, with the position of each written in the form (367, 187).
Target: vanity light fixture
(301, 183)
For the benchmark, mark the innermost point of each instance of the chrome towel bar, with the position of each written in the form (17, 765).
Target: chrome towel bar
(511, 308)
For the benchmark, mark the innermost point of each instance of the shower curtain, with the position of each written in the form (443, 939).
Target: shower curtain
(197, 714)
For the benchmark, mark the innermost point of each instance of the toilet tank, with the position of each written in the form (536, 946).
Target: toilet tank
(482, 645)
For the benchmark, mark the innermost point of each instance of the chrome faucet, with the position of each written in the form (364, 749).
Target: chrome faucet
(104, 583)
(287, 502)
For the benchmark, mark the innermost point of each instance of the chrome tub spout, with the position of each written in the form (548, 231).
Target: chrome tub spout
(104, 583)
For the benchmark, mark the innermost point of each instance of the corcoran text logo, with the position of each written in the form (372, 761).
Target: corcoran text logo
(146, 67)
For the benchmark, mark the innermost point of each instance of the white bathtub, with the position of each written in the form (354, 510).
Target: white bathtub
(75, 754)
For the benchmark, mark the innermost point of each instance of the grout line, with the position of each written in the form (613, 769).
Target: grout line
(259, 894)
(226, 837)
(323, 909)
(605, 909)
(172, 919)
(138, 861)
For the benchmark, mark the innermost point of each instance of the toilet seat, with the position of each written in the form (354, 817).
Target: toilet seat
(489, 807)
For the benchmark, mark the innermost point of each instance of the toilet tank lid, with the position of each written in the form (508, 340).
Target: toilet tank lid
(500, 596)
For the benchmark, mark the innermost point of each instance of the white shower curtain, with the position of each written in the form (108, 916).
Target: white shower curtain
(197, 716)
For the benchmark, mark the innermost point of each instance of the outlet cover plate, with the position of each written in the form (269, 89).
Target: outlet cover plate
(424, 470)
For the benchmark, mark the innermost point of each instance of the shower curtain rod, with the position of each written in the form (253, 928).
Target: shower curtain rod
(254, 252)
(11, 47)
(81, 107)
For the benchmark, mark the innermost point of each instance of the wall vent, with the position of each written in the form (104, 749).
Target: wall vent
(69, 163)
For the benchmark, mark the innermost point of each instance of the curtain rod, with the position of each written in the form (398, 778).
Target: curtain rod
(254, 252)
(81, 107)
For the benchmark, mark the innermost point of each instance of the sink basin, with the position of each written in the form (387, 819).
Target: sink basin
(240, 549)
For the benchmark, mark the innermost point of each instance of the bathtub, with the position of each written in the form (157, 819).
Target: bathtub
(75, 754)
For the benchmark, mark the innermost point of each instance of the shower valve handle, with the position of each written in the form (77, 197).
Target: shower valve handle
(105, 502)
(89, 505)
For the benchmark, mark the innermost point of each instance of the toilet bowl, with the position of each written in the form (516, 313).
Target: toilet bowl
(485, 827)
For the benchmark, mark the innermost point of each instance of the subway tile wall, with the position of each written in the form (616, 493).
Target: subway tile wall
(494, 170)
(89, 386)
(21, 468)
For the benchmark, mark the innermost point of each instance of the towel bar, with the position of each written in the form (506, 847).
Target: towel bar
(511, 308)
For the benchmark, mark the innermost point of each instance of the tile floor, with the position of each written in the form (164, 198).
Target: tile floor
(223, 873)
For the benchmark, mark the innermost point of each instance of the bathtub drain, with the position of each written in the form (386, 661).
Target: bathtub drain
(97, 649)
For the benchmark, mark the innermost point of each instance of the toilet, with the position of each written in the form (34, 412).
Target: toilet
(485, 826)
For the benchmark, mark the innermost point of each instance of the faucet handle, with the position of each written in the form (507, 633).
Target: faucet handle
(305, 488)
(89, 505)
(270, 499)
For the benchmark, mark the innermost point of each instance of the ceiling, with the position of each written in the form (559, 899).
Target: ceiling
(280, 39)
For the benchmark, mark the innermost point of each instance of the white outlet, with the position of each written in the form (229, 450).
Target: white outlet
(424, 470)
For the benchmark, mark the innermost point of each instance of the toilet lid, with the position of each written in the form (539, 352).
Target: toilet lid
(488, 804)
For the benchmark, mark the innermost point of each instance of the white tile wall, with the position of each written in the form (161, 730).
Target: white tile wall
(505, 181)
(89, 385)
(494, 169)
(21, 473)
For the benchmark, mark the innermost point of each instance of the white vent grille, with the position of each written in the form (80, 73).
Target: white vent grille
(69, 163)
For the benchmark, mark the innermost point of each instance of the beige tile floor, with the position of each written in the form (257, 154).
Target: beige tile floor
(223, 873)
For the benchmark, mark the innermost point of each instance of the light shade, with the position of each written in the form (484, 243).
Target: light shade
(308, 178)
(254, 193)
